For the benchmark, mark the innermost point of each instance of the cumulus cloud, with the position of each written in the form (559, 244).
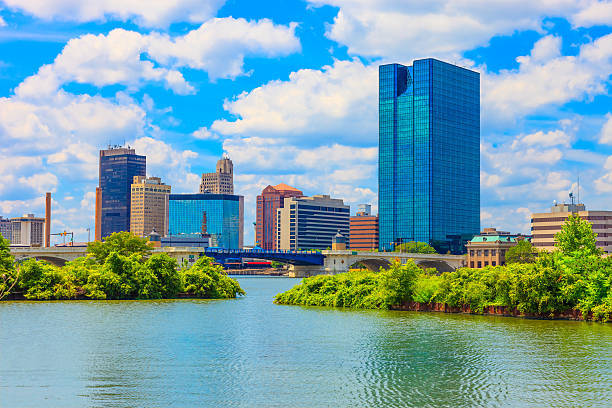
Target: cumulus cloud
(339, 100)
(595, 13)
(546, 78)
(155, 13)
(404, 30)
(132, 59)
(605, 136)
(604, 183)
(2, 22)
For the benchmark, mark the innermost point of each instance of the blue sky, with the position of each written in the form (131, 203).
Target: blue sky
(289, 90)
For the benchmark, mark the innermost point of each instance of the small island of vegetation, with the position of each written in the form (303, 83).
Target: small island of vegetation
(575, 277)
(121, 267)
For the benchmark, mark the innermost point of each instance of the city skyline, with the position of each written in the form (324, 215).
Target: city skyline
(295, 103)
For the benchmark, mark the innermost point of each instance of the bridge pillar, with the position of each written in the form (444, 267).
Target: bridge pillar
(304, 271)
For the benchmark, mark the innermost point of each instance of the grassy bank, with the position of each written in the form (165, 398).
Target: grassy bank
(576, 277)
(122, 267)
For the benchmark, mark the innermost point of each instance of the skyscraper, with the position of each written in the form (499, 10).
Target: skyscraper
(271, 199)
(118, 166)
(149, 208)
(221, 181)
(429, 154)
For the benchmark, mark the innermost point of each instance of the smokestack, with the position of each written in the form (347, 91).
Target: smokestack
(98, 234)
(48, 220)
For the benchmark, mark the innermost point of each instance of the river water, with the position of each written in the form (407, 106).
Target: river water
(249, 352)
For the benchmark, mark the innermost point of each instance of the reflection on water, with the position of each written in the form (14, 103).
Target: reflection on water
(251, 353)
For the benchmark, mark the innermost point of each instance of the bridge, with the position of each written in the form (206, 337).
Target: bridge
(304, 263)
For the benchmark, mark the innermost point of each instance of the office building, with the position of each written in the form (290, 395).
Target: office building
(221, 181)
(311, 222)
(219, 215)
(149, 208)
(490, 246)
(27, 231)
(268, 202)
(544, 226)
(429, 155)
(364, 229)
(118, 167)
(5, 228)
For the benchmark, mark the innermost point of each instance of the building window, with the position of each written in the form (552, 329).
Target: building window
(471, 264)
(493, 263)
(471, 252)
(486, 263)
(479, 264)
(486, 252)
(479, 252)
(493, 252)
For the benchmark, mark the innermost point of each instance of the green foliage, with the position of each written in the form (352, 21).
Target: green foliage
(576, 277)
(8, 273)
(413, 247)
(124, 243)
(276, 264)
(577, 235)
(207, 280)
(123, 272)
(356, 289)
(522, 252)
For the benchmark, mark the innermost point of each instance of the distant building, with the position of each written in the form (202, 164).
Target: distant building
(338, 242)
(149, 209)
(219, 215)
(118, 167)
(364, 229)
(268, 202)
(544, 226)
(311, 222)
(429, 155)
(490, 246)
(191, 240)
(221, 181)
(27, 231)
(5, 228)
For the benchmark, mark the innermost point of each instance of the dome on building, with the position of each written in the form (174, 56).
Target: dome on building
(154, 236)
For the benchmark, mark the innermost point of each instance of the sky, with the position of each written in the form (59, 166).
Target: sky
(288, 89)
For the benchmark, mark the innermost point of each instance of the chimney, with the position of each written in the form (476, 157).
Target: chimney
(48, 220)
(98, 232)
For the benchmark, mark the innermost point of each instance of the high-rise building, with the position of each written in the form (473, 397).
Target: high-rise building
(544, 226)
(118, 167)
(268, 202)
(221, 181)
(27, 230)
(5, 228)
(149, 209)
(219, 215)
(311, 222)
(429, 154)
(364, 229)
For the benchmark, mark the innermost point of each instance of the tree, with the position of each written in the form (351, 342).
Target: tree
(123, 243)
(577, 235)
(415, 248)
(522, 252)
(8, 274)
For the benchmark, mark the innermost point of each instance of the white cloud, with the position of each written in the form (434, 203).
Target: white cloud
(544, 139)
(204, 134)
(605, 136)
(2, 22)
(595, 13)
(41, 183)
(545, 78)
(155, 13)
(403, 30)
(604, 183)
(339, 100)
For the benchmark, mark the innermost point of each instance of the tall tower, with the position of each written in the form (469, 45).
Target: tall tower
(221, 181)
(429, 154)
(149, 206)
(118, 167)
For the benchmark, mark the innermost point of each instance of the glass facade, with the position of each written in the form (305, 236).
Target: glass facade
(429, 154)
(118, 166)
(219, 215)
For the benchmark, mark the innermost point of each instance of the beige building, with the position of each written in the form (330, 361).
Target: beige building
(490, 247)
(149, 206)
(221, 181)
(27, 231)
(544, 226)
(311, 222)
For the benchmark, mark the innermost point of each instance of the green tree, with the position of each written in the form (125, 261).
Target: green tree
(522, 252)
(415, 248)
(158, 278)
(123, 243)
(577, 235)
(8, 273)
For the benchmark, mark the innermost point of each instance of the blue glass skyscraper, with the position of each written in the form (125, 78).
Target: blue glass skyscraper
(429, 154)
(118, 166)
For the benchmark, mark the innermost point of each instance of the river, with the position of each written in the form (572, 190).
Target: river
(249, 352)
